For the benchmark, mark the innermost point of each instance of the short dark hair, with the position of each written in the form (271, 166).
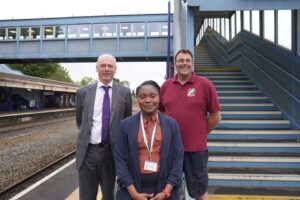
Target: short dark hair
(150, 82)
(183, 51)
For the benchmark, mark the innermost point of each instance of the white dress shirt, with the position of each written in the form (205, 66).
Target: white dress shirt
(97, 114)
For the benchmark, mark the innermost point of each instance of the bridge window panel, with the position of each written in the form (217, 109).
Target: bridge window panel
(110, 30)
(84, 31)
(247, 20)
(238, 21)
(60, 31)
(138, 29)
(99, 30)
(285, 28)
(269, 25)
(232, 20)
(35, 32)
(24, 33)
(73, 31)
(164, 28)
(226, 21)
(48, 32)
(2, 33)
(153, 29)
(255, 22)
(125, 30)
(215, 24)
(11, 33)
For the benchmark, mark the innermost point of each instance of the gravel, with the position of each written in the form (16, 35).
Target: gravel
(48, 143)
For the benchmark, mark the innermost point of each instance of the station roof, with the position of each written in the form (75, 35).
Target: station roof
(34, 83)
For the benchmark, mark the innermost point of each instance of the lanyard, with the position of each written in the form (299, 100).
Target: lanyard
(144, 135)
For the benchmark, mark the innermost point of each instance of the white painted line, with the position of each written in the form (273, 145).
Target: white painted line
(42, 181)
(246, 104)
(252, 144)
(242, 97)
(258, 112)
(263, 177)
(254, 159)
(263, 121)
(253, 132)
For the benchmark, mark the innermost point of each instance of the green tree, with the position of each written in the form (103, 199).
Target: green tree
(125, 83)
(61, 74)
(87, 80)
(52, 71)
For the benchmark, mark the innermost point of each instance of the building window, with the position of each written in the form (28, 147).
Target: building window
(158, 29)
(105, 30)
(12, 33)
(60, 31)
(2, 33)
(84, 30)
(24, 33)
(269, 25)
(255, 22)
(48, 32)
(238, 21)
(285, 28)
(138, 29)
(35, 33)
(125, 30)
(247, 20)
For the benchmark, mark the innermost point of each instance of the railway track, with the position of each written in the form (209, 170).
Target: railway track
(16, 187)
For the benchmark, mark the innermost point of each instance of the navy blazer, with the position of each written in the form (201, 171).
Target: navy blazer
(127, 154)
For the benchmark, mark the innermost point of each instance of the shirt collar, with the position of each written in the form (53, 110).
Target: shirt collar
(191, 79)
(100, 84)
(152, 120)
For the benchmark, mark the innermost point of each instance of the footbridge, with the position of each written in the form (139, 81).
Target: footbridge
(82, 39)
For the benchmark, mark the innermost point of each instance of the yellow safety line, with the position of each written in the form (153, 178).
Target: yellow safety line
(250, 197)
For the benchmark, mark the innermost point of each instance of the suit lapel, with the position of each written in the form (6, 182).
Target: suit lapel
(114, 101)
(91, 99)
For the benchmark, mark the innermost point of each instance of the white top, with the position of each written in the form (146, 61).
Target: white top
(97, 114)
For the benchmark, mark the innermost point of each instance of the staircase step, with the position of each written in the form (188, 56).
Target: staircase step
(243, 99)
(239, 93)
(247, 106)
(229, 82)
(227, 77)
(251, 135)
(254, 124)
(254, 147)
(284, 163)
(263, 180)
(251, 114)
(235, 87)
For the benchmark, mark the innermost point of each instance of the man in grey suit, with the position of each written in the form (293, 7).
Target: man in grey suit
(100, 107)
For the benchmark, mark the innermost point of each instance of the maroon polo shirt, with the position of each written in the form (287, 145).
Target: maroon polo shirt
(189, 104)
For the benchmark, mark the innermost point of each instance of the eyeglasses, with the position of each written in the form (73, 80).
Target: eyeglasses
(187, 61)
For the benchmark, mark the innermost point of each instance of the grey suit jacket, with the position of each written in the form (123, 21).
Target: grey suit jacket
(121, 107)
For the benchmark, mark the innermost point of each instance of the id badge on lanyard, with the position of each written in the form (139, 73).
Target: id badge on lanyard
(149, 165)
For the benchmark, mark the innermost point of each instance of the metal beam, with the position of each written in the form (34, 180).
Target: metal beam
(230, 5)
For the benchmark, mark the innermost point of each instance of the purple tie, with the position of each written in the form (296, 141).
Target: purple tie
(105, 118)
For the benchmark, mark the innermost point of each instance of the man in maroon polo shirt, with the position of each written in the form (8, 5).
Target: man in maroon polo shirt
(188, 98)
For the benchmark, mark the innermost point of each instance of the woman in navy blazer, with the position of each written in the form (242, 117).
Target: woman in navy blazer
(169, 176)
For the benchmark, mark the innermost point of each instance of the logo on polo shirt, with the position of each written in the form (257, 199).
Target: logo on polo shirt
(191, 92)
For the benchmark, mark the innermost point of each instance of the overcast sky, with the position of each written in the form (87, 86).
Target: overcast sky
(135, 73)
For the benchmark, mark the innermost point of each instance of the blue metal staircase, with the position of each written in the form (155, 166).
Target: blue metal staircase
(253, 150)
